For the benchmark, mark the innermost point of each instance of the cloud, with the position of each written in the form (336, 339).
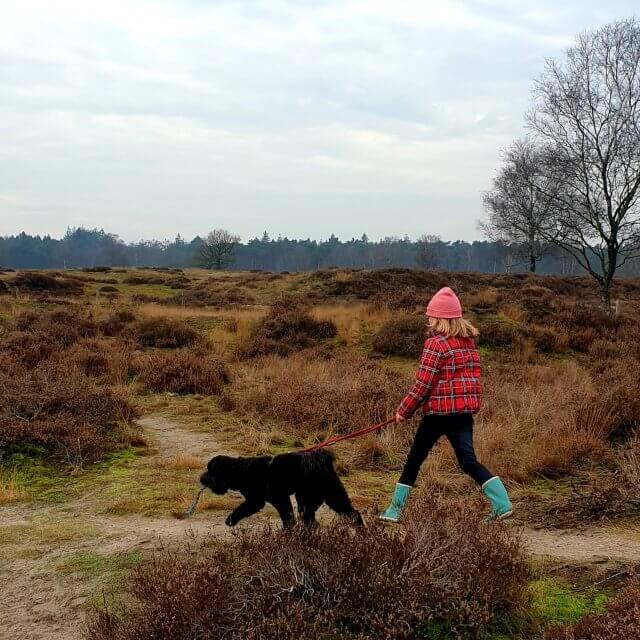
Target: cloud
(302, 118)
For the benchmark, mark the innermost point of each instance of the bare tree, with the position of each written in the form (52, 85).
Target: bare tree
(428, 251)
(587, 114)
(518, 206)
(216, 250)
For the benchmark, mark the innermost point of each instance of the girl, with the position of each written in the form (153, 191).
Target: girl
(449, 390)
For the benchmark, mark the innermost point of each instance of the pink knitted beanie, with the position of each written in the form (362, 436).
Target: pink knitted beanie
(445, 304)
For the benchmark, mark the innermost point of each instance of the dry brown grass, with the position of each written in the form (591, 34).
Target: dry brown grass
(543, 419)
(352, 320)
(311, 395)
(631, 465)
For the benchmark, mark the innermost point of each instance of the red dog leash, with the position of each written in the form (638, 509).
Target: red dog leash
(329, 442)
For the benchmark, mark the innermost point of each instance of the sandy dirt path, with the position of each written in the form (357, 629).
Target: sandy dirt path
(38, 601)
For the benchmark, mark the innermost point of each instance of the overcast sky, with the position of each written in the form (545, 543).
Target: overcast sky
(302, 118)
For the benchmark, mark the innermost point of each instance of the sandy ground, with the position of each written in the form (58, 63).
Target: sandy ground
(39, 601)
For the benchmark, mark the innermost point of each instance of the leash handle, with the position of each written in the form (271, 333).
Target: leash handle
(329, 442)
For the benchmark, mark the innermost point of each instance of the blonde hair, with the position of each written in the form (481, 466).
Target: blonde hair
(453, 327)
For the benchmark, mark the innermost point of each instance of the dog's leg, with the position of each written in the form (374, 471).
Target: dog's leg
(337, 499)
(285, 510)
(244, 510)
(309, 514)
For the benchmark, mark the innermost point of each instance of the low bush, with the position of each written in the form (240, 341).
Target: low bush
(108, 288)
(115, 323)
(35, 282)
(142, 280)
(444, 571)
(4, 287)
(210, 294)
(183, 371)
(107, 360)
(98, 269)
(288, 327)
(310, 395)
(63, 326)
(401, 336)
(549, 339)
(63, 413)
(620, 620)
(500, 331)
(163, 333)
(27, 349)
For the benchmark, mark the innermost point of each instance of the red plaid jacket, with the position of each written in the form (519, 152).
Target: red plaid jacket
(448, 379)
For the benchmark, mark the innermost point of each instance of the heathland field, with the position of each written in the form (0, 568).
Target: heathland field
(117, 385)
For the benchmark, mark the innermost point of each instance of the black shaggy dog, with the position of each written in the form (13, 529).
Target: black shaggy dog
(309, 476)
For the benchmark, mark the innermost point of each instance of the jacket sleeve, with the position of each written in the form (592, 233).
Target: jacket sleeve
(427, 371)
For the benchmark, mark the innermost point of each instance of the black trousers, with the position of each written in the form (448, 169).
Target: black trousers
(458, 428)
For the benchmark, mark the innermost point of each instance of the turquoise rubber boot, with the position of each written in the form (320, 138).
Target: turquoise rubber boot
(398, 501)
(501, 506)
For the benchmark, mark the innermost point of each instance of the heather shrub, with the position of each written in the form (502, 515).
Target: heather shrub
(401, 336)
(311, 395)
(98, 269)
(115, 323)
(288, 327)
(500, 331)
(620, 620)
(63, 412)
(35, 282)
(183, 371)
(106, 360)
(108, 288)
(444, 568)
(164, 333)
(549, 339)
(62, 326)
(210, 294)
(137, 280)
(27, 349)
(4, 287)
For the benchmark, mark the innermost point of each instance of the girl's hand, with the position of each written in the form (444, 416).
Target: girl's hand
(399, 418)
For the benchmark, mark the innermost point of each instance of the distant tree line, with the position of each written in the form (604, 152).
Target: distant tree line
(93, 247)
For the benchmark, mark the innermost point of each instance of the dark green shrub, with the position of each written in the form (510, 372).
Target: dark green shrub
(401, 336)
(499, 331)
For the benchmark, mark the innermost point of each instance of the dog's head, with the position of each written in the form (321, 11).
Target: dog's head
(219, 474)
